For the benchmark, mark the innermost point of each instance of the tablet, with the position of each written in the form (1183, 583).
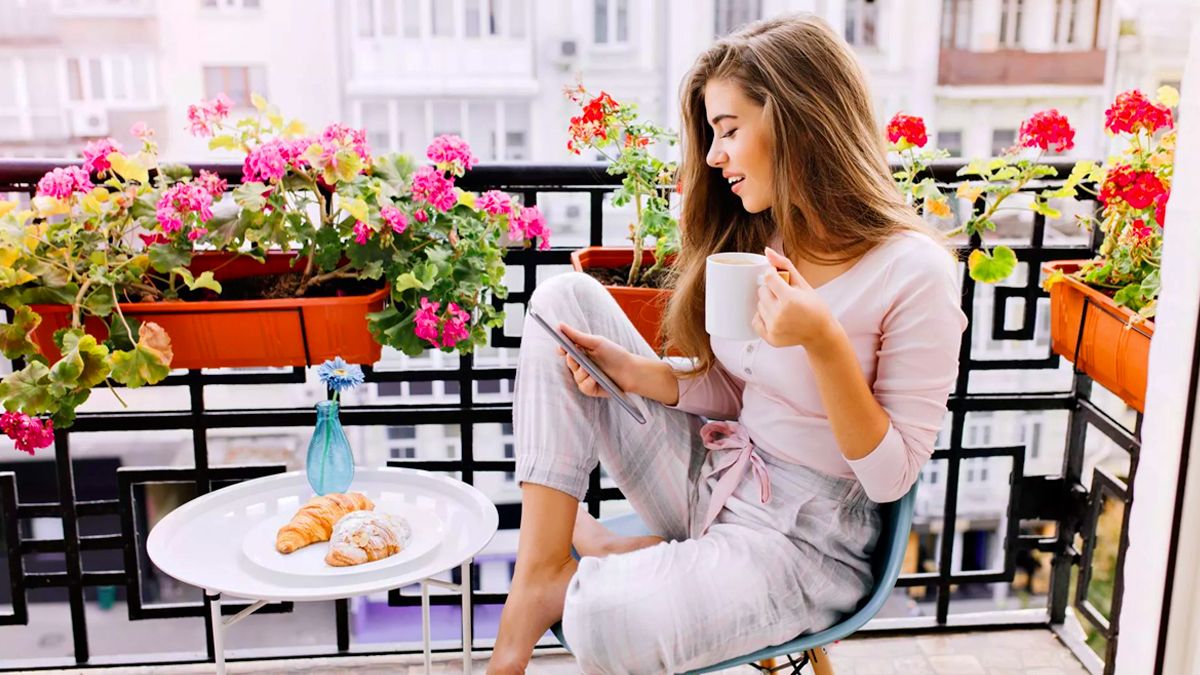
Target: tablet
(598, 375)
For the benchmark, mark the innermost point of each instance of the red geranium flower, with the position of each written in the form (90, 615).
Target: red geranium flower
(1137, 188)
(1133, 112)
(907, 128)
(1046, 130)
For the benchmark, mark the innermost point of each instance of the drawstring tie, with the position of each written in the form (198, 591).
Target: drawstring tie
(732, 439)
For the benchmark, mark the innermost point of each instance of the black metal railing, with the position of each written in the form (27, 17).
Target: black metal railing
(108, 520)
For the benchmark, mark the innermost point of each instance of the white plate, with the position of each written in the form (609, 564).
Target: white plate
(258, 545)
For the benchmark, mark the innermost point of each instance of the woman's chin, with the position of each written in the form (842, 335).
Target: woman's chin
(754, 205)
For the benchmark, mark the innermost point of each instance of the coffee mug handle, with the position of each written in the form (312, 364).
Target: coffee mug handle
(783, 273)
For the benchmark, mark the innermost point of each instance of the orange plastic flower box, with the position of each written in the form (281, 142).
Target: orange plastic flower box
(244, 333)
(1090, 330)
(643, 306)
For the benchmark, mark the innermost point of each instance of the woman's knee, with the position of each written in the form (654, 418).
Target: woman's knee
(571, 288)
(608, 632)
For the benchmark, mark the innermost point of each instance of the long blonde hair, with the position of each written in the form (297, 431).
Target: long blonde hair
(834, 194)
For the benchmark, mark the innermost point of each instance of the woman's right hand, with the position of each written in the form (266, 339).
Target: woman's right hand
(616, 362)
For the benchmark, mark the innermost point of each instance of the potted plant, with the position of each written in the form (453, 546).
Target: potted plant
(1100, 308)
(323, 250)
(998, 179)
(636, 275)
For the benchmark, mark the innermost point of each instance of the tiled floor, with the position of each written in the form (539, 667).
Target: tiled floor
(1012, 652)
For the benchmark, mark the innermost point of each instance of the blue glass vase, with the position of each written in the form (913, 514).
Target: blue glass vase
(330, 462)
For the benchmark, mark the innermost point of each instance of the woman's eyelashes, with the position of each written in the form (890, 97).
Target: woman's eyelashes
(729, 134)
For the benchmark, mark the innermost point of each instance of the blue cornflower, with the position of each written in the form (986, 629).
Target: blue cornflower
(339, 375)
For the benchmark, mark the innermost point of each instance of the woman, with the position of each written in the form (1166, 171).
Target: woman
(763, 527)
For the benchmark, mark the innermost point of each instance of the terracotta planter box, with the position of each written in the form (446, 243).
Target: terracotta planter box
(643, 306)
(1111, 353)
(244, 333)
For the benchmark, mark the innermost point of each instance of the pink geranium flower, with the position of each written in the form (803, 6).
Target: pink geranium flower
(395, 218)
(495, 203)
(430, 186)
(455, 329)
(62, 182)
(451, 153)
(212, 183)
(427, 321)
(29, 433)
(204, 116)
(95, 155)
(180, 201)
(361, 232)
(530, 224)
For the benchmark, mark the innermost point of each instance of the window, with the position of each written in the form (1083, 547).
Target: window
(610, 19)
(411, 18)
(950, 141)
(231, 4)
(443, 18)
(956, 24)
(496, 129)
(516, 130)
(113, 78)
(510, 452)
(236, 82)
(402, 442)
(731, 15)
(1010, 23)
(472, 18)
(1031, 436)
(375, 117)
(1066, 17)
(1002, 140)
(862, 16)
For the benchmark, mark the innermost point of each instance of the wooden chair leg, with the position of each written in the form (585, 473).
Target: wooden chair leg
(820, 662)
(767, 663)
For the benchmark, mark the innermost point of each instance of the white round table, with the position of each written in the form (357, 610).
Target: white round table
(200, 543)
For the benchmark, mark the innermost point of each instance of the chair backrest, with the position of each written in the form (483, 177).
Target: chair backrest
(896, 520)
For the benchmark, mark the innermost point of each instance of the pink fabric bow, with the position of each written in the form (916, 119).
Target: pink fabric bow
(732, 437)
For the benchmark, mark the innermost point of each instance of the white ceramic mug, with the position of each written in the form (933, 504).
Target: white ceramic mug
(731, 293)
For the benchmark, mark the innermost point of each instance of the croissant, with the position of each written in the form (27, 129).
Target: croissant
(314, 521)
(366, 536)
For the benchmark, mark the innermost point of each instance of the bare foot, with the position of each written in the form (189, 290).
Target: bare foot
(535, 602)
(591, 538)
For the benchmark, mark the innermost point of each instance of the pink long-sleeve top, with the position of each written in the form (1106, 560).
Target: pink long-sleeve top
(899, 306)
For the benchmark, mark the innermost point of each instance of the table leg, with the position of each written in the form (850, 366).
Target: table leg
(425, 626)
(467, 638)
(218, 630)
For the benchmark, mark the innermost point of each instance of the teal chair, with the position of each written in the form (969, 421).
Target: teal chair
(889, 555)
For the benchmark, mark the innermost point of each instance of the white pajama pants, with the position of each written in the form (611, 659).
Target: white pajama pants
(762, 574)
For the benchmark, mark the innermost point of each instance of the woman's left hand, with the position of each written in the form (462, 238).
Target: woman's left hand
(790, 312)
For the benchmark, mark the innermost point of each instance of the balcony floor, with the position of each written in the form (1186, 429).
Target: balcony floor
(1009, 652)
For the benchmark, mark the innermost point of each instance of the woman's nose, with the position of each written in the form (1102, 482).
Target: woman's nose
(716, 157)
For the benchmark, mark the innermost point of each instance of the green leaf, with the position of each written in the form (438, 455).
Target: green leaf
(348, 164)
(139, 366)
(992, 268)
(357, 209)
(164, 257)
(1130, 296)
(129, 168)
(16, 338)
(224, 142)
(260, 103)
(1039, 206)
(175, 172)
(119, 336)
(83, 363)
(65, 415)
(100, 303)
(422, 276)
(205, 280)
(250, 196)
(28, 390)
(373, 270)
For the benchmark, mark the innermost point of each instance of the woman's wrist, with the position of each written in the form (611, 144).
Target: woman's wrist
(827, 340)
(650, 378)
